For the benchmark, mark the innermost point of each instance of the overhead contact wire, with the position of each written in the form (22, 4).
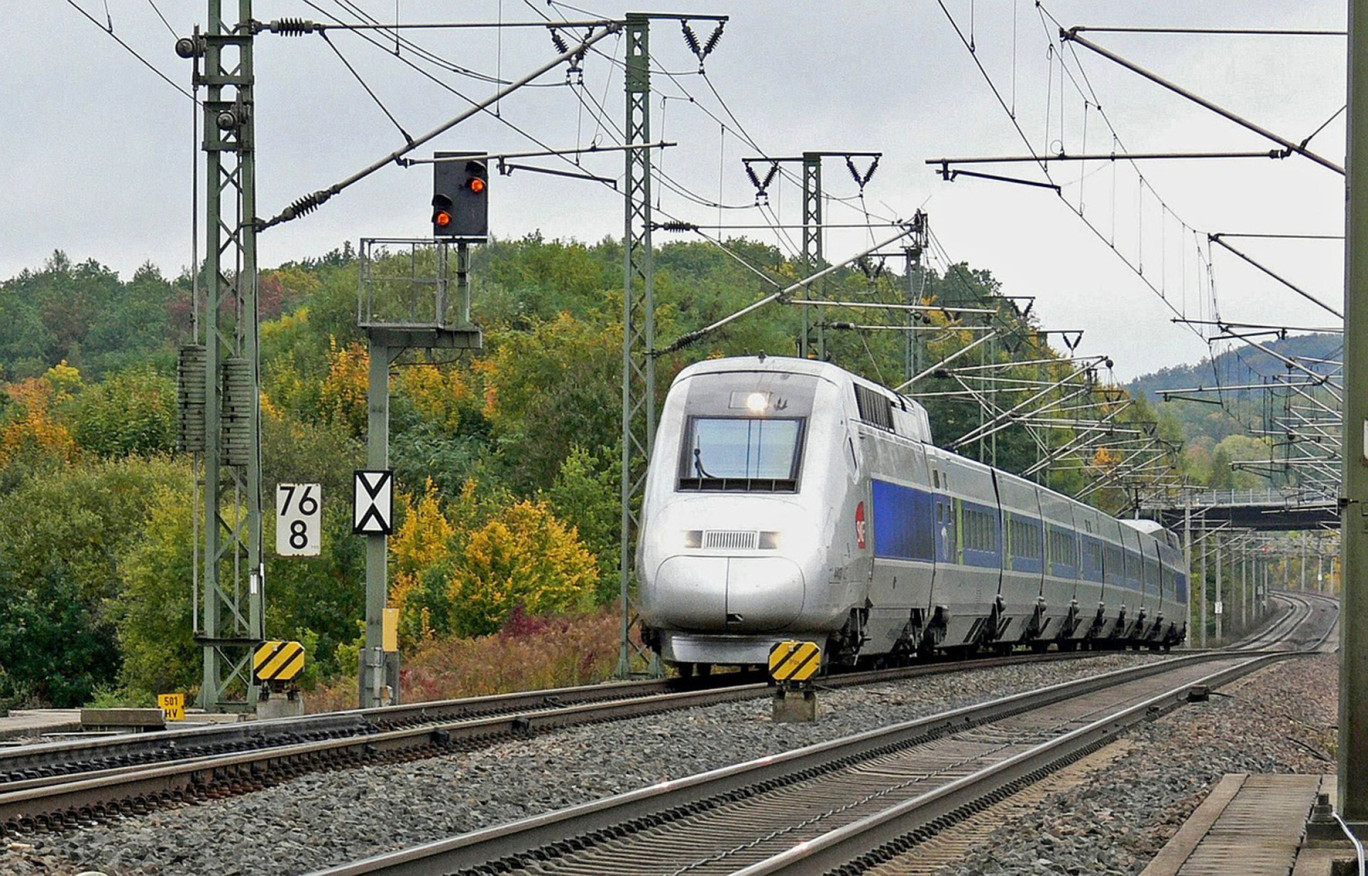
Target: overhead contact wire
(132, 51)
(378, 102)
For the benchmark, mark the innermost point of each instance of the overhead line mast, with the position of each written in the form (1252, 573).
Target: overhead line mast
(638, 301)
(812, 343)
(218, 373)
(1353, 683)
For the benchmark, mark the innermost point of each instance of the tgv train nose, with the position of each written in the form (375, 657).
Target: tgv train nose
(732, 594)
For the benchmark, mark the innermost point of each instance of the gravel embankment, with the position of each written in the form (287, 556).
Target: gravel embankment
(1278, 721)
(1111, 826)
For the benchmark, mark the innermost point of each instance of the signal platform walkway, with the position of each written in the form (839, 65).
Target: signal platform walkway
(1254, 825)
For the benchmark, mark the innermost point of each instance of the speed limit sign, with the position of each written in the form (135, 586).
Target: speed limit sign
(299, 514)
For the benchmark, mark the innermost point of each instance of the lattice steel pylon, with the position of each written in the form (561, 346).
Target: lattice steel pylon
(813, 342)
(232, 606)
(638, 316)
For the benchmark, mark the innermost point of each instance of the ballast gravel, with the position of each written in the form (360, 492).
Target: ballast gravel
(1281, 722)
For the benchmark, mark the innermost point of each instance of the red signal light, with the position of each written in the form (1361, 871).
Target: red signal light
(442, 219)
(477, 185)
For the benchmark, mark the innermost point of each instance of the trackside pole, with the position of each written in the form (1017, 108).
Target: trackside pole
(1353, 690)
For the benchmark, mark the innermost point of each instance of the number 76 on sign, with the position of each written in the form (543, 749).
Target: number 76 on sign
(299, 515)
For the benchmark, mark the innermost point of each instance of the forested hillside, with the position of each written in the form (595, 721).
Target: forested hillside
(1235, 401)
(506, 462)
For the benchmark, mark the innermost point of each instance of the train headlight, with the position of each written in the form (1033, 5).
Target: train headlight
(770, 541)
(757, 402)
(693, 538)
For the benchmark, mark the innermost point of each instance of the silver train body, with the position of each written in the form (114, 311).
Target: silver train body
(790, 499)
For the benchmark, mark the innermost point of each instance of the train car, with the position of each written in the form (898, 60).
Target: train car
(788, 498)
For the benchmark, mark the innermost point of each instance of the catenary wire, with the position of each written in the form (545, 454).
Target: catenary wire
(132, 51)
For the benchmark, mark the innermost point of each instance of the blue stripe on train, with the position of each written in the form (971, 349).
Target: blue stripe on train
(904, 522)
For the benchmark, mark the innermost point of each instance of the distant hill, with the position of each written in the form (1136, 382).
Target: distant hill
(1243, 366)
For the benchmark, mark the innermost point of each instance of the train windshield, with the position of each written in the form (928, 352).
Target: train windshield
(736, 453)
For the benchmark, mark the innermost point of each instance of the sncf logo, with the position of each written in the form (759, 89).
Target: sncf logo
(860, 529)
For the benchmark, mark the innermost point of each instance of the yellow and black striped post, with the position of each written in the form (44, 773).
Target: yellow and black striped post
(793, 665)
(794, 661)
(277, 663)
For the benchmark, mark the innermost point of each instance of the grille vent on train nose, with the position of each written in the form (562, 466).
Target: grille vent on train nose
(731, 539)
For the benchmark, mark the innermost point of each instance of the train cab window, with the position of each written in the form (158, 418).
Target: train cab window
(741, 453)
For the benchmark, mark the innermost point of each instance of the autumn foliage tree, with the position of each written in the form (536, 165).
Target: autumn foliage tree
(342, 397)
(522, 557)
(32, 436)
(463, 570)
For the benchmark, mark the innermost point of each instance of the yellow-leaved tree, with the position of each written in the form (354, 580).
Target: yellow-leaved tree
(30, 428)
(436, 393)
(342, 397)
(423, 540)
(521, 556)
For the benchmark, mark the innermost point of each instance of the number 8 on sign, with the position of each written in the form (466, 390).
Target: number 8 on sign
(299, 519)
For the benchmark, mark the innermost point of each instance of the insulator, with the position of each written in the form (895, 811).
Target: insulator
(712, 40)
(676, 226)
(762, 187)
(306, 205)
(190, 47)
(558, 42)
(236, 410)
(862, 180)
(190, 395)
(294, 27)
(691, 39)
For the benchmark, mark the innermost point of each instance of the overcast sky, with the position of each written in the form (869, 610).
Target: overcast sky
(98, 151)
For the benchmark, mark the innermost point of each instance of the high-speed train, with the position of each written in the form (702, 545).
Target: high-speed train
(790, 499)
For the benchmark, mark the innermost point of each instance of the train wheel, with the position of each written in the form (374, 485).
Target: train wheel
(704, 669)
(686, 670)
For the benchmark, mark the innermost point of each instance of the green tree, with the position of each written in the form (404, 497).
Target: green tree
(550, 389)
(152, 612)
(83, 314)
(586, 495)
(131, 412)
(1222, 477)
(529, 281)
(60, 575)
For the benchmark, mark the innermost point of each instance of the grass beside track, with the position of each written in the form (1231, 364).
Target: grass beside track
(529, 653)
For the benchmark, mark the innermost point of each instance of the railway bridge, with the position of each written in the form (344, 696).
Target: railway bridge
(1264, 510)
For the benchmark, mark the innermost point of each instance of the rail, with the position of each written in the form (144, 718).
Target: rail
(50, 786)
(714, 838)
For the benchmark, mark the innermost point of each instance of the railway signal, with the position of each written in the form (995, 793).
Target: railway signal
(460, 195)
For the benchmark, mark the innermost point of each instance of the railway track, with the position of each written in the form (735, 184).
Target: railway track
(66, 784)
(1306, 625)
(71, 783)
(857, 803)
(862, 799)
